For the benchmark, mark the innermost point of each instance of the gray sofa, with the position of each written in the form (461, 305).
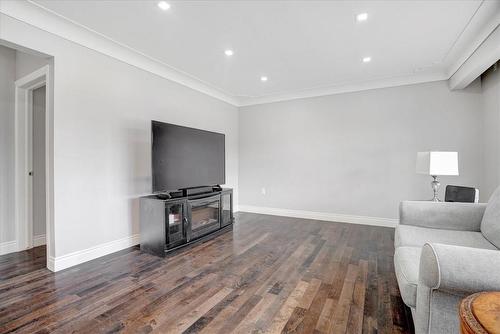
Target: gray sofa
(444, 252)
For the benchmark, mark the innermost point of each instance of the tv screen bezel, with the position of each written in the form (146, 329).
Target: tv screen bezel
(189, 128)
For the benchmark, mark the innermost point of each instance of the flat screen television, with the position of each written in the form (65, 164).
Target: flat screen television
(184, 157)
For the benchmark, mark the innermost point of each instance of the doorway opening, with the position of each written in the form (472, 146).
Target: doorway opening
(31, 165)
(26, 160)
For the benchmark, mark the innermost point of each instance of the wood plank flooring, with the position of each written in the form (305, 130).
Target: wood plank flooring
(269, 275)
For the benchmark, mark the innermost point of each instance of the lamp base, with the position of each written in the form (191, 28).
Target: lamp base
(435, 187)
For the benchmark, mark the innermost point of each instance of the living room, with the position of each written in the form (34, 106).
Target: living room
(318, 128)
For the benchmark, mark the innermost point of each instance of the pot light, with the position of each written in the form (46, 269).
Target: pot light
(362, 17)
(229, 52)
(367, 59)
(263, 78)
(163, 5)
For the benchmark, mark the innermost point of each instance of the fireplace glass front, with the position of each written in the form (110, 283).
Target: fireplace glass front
(204, 216)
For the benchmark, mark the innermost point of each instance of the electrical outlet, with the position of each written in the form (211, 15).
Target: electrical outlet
(263, 191)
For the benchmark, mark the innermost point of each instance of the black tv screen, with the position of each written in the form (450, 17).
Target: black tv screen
(184, 157)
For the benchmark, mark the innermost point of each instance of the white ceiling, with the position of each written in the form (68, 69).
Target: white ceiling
(299, 45)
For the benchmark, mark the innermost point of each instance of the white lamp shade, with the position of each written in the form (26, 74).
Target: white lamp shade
(437, 163)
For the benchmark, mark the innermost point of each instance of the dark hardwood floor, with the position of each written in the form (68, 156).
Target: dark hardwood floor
(269, 275)
(17, 264)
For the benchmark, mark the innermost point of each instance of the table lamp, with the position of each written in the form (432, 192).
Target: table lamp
(437, 163)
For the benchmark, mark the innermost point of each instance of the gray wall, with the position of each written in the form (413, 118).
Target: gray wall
(355, 153)
(102, 113)
(350, 153)
(13, 65)
(7, 78)
(38, 177)
(491, 107)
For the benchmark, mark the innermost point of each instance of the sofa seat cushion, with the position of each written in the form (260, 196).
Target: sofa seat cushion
(414, 236)
(406, 264)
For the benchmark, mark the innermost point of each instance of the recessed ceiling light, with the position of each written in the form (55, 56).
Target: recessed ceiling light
(164, 5)
(362, 17)
(263, 78)
(229, 52)
(367, 59)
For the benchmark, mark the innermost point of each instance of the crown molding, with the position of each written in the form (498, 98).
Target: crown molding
(478, 30)
(346, 88)
(483, 57)
(480, 46)
(472, 37)
(56, 24)
(480, 26)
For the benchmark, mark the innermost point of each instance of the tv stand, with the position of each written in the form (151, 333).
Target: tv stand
(168, 224)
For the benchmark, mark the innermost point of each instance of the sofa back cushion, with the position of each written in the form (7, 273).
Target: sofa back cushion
(490, 225)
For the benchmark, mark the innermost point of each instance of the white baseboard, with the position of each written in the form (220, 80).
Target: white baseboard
(50, 263)
(8, 247)
(11, 246)
(325, 216)
(39, 240)
(75, 258)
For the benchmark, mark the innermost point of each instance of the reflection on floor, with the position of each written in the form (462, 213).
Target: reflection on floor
(270, 274)
(20, 263)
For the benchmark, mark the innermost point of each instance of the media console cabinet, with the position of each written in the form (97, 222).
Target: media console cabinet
(169, 224)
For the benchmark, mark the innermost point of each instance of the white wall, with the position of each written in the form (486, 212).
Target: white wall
(102, 114)
(491, 133)
(354, 153)
(7, 78)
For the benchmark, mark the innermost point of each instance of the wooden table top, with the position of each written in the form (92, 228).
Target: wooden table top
(480, 313)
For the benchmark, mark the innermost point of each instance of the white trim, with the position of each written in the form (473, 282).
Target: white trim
(345, 88)
(50, 263)
(325, 216)
(35, 79)
(8, 247)
(483, 57)
(23, 105)
(78, 257)
(45, 19)
(39, 240)
(23, 89)
(475, 34)
(11, 246)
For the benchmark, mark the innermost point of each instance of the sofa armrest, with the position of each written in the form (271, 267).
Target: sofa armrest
(459, 270)
(442, 215)
(446, 275)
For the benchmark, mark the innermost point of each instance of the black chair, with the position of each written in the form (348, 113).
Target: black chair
(461, 194)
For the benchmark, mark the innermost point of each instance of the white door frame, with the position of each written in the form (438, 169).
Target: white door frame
(23, 159)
